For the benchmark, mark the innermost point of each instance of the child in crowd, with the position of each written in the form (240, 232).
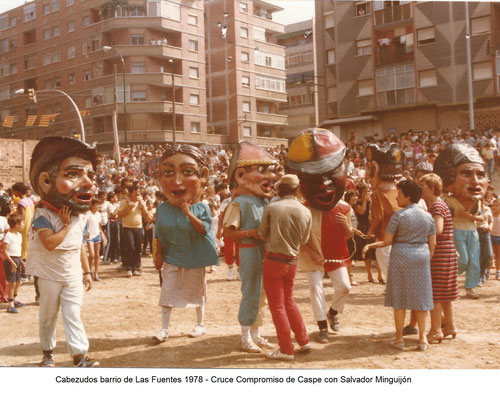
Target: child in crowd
(94, 236)
(11, 249)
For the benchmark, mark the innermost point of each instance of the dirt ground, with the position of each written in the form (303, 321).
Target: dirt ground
(121, 314)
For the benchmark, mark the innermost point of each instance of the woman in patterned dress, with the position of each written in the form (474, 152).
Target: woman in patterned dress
(411, 232)
(444, 266)
(184, 243)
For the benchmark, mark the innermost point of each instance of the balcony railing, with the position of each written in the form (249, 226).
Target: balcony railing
(394, 14)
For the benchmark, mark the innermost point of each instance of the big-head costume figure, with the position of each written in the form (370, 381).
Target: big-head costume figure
(61, 172)
(461, 168)
(251, 174)
(384, 170)
(317, 157)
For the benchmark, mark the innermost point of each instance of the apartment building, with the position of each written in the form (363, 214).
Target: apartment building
(246, 77)
(301, 84)
(390, 66)
(77, 47)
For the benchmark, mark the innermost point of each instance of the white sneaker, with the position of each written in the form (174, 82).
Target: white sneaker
(137, 273)
(262, 342)
(230, 274)
(161, 336)
(276, 354)
(199, 330)
(129, 273)
(249, 346)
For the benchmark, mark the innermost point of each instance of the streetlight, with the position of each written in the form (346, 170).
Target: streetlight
(173, 101)
(108, 49)
(33, 92)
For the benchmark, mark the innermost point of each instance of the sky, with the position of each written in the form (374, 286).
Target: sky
(295, 10)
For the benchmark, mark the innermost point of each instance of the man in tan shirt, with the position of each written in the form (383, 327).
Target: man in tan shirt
(285, 225)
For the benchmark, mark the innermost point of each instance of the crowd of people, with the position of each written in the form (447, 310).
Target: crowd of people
(138, 209)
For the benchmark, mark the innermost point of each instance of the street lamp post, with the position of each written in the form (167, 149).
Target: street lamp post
(82, 129)
(174, 124)
(108, 49)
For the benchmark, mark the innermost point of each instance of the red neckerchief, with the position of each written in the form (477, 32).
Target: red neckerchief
(50, 206)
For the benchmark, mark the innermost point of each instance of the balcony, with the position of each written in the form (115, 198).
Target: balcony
(152, 107)
(158, 51)
(143, 22)
(134, 136)
(270, 118)
(394, 14)
(269, 24)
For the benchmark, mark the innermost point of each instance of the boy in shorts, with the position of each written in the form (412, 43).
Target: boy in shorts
(11, 249)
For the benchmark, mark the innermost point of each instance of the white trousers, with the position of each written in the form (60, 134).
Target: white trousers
(341, 286)
(68, 297)
(382, 254)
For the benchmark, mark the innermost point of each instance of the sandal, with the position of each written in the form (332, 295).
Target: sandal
(432, 338)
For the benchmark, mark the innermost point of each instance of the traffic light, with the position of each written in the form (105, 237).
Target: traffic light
(32, 95)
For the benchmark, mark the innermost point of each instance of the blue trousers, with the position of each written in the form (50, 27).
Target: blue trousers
(467, 245)
(251, 263)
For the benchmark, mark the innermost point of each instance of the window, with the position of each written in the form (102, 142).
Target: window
(243, 7)
(47, 84)
(195, 127)
(13, 44)
(365, 87)
(259, 34)
(480, 25)
(4, 22)
(29, 12)
(362, 8)
(330, 56)
(427, 78)
(138, 96)
(247, 131)
(269, 59)
(170, 10)
(194, 99)
(56, 32)
(4, 45)
(245, 57)
(246, 106)
(69, 2)
(270, 83)
(4, 69)
(46, 34)
(138, 68)
(364, 47)
(71, 26)
(57, 82)
(245, 81)
(193, 73)
(137, 11)
(192, 20)
(86, 75)
(86, 21)
(265, 109)
(13, 68)
(193, 45)
(243, 32)
(136, 39)
(29, 63)
(331, 94)
(71, 79)
(56, 56)
(329, 21)
(13, 21)
(46, 9)
(395, 85)
(47, 58)
(55, 5)
(426, 36)
(482, 70)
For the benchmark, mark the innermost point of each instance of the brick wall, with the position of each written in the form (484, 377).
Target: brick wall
(15, 156)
